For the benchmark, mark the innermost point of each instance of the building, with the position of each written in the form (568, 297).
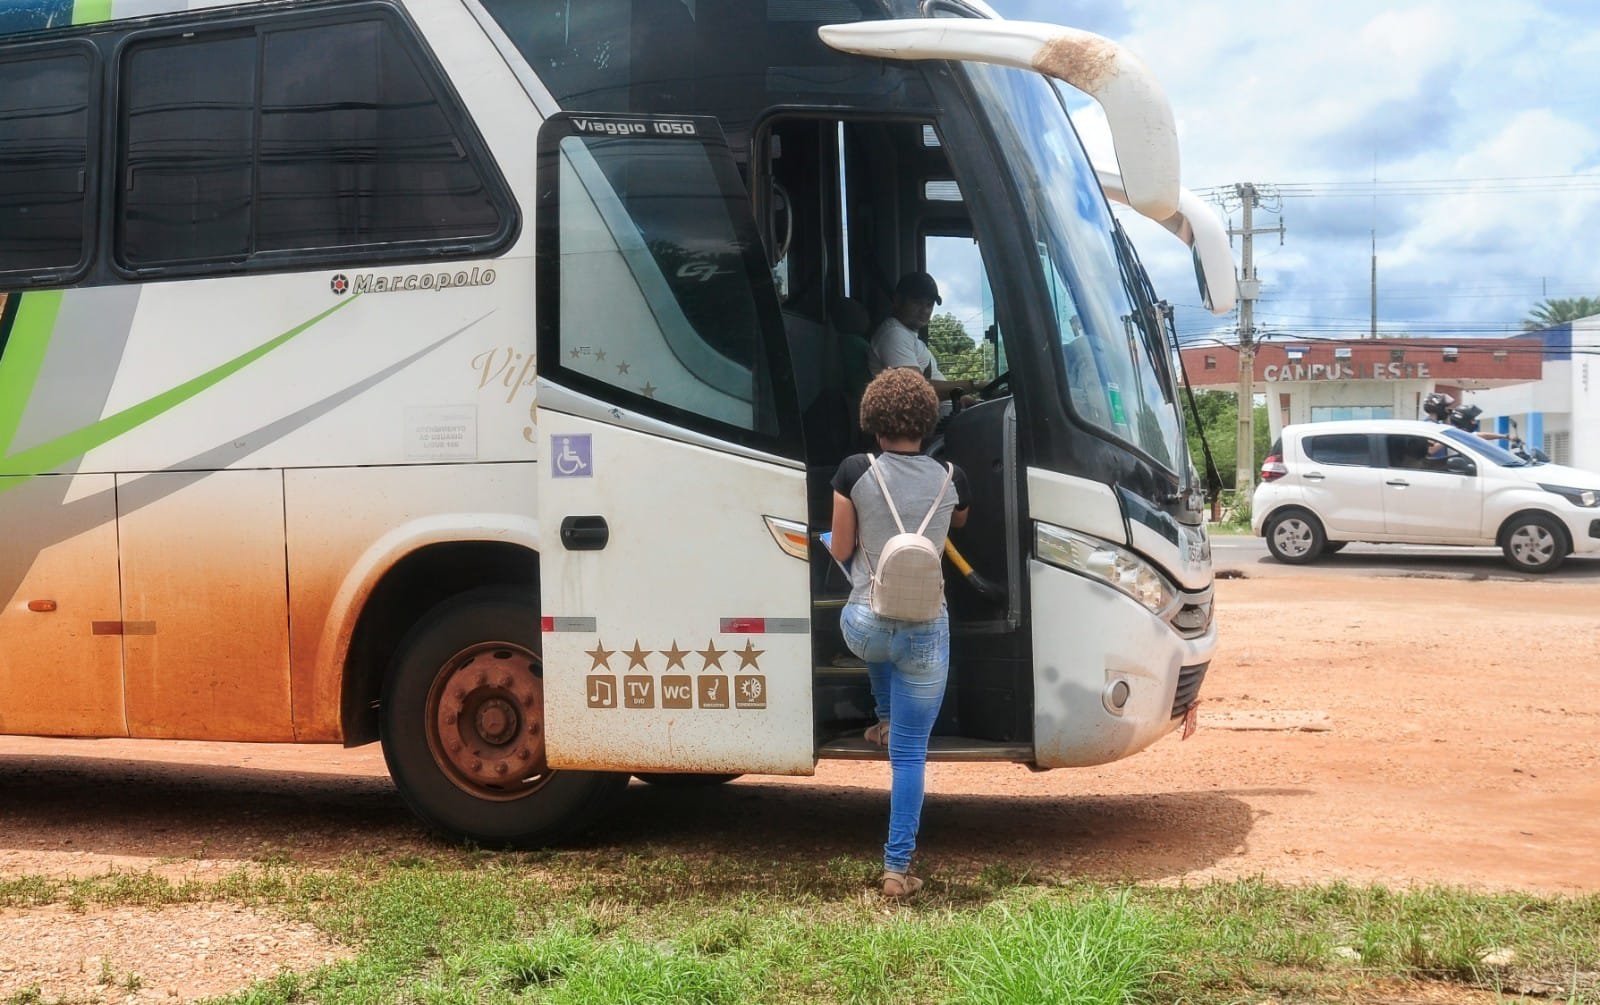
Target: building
(1316, 381)
(1560, 412)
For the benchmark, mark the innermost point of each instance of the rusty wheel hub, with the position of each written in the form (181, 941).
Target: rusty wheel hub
(485, 721)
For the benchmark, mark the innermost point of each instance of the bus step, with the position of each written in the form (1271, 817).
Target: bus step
(854, 747)
(844, 663)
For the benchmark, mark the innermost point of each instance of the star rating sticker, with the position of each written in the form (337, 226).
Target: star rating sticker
(600, 355)
(575, 353)
(622, 367)
(712, 655)
(675, 656)
(747, 655)
(648, 390)
(636, 655)
(601, 655)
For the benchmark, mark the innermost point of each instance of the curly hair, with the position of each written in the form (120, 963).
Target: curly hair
(899, 404)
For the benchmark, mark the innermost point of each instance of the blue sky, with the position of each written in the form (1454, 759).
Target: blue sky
(1474, 116)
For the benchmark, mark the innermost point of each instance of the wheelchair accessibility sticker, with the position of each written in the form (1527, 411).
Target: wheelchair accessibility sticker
(572, 456)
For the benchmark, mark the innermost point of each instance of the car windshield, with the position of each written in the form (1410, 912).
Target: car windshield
(1113, 382)
(1484, 448)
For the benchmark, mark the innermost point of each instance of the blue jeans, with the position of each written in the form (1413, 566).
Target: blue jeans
(907, 662)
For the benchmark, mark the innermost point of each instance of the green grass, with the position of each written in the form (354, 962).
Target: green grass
(578, 927)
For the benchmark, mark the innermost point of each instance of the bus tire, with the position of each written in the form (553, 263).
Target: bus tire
(461, 719)
(682, 779)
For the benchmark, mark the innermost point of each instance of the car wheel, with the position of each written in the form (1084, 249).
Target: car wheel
(1295, 536)
(1534, 542)
(462, 725)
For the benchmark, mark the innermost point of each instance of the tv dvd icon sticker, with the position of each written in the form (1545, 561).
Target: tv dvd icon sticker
(713, 691)
(750, 691)
(572, 455)
(639, 691)
(602, 691)
(677, 692)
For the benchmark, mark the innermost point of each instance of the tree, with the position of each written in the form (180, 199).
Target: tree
(1218, 422)
(959, 356)
(1549, 313)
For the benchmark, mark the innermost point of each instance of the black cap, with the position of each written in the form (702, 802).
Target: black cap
(917, 286)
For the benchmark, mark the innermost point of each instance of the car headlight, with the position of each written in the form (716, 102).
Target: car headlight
(1587, 498)
(1117, 567)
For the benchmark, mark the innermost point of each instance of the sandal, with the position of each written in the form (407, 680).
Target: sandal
(899, 885)
(877, 734)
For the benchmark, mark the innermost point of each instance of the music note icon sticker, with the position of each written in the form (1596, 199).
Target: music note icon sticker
(602, 691)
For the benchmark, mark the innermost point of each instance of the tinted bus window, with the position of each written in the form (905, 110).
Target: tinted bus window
(188, 154)
(44, 161)
(303, 138)
(656, 297)
(355, 148)
(728, 57)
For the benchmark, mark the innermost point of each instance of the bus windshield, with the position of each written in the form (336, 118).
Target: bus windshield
(1113, 381)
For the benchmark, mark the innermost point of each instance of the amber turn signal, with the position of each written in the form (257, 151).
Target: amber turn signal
(41, 606)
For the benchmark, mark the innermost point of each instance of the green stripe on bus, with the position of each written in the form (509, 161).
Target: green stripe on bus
(91, 11)
(19, 369)
(50, 455)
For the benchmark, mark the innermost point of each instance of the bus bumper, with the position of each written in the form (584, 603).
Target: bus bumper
(1093, 645)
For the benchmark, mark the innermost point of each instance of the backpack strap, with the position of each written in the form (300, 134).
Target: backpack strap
(894, 511)
(949, 477)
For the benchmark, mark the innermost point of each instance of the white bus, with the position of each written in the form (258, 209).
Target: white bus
(277, 462)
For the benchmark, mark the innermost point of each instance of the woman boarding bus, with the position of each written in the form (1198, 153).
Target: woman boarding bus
(470, 375)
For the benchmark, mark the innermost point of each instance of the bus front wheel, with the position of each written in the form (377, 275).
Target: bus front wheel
(462, 725)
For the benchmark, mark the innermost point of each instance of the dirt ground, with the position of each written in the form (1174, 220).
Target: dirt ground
(1379, 729)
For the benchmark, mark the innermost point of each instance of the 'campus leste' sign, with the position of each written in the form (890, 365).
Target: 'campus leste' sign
(1343, 371)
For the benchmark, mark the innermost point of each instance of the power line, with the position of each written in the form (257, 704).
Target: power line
(1372, 188)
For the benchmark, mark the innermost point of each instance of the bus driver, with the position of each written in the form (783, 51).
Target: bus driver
(895, 343)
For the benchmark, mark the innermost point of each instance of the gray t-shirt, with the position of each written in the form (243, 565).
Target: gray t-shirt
(914, 481)
(894, 345)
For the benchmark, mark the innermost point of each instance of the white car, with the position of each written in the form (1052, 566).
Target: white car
(1397, 480)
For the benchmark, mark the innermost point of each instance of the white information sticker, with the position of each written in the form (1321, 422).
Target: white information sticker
(442, 433)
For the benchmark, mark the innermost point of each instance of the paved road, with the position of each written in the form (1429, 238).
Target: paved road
(1248, 556)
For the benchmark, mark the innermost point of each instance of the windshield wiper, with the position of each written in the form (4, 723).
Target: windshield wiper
(1136, 283)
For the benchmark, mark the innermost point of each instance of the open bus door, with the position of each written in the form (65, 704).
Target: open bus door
(671, 484)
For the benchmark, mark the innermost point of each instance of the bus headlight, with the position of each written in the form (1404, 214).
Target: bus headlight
(1115, 566)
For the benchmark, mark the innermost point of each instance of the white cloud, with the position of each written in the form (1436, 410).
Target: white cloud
(1303, 91)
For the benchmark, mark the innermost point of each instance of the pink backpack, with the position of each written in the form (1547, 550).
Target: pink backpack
(908, 584)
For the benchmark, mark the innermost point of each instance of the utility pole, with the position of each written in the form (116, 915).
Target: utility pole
(1249, 291)
(1373, 332)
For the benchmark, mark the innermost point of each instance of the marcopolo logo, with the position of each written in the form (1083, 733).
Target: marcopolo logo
(372, 282)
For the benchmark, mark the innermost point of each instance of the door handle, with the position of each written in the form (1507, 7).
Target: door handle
(1399, 483)
(1314, 476)
(584, 533)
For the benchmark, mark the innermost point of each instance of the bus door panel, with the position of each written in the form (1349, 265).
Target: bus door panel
(205, 605)
(60, 629)
(676, 627)
(674, 575)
